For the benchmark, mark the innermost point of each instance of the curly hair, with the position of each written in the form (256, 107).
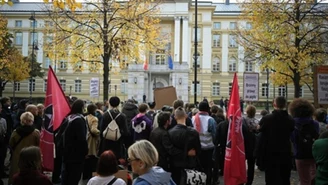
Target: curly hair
(301, 108)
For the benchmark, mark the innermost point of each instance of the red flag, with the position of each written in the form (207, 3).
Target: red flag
(145, 65)
(56, 109)
(234, 164)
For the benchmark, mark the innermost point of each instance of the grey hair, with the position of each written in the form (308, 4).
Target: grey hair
(145, 151)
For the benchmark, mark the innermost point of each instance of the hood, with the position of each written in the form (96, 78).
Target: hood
(302, 121)
(157, 176)
(130, 106)
(25, 130)
(139, 118)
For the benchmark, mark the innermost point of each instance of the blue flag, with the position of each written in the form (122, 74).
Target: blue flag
(170, 62)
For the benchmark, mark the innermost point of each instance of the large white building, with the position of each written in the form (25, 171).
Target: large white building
(219, 56)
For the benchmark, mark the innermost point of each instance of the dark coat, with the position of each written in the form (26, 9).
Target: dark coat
(116, 146)
(6, 114)
(275, 129)
(185, 139)
(76, 145)
(130, 110)
(38, 122)
(30, 177)
(160, 138)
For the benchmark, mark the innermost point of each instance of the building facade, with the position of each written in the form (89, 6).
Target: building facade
(218, 57)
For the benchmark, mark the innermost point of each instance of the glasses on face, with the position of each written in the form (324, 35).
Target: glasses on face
(130, 160)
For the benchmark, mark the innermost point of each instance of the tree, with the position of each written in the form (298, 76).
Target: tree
(103, 34)
(36, 70)
(286, 37)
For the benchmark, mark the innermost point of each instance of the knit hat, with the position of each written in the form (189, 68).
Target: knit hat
(203, 106)
(114, 101)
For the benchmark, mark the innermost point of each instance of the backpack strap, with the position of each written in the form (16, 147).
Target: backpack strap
(112, 116)
(112, 181)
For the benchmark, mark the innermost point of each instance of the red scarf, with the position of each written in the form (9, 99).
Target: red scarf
(197, 119)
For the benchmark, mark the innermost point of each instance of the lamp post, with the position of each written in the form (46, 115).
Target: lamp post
(115, 88)
(34, 47)
(195, 57)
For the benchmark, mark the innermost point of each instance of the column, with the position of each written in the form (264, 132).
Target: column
(25, 44)
(186, 40)
(207, 48)
(177, 38)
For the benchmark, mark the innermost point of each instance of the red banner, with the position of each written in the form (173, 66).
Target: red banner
(56, 109)
(234, 164)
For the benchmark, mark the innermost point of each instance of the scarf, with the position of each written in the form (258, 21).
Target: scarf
(197, 120)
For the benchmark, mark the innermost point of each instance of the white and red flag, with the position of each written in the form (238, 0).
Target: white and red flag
(234, 164)
(56, 109)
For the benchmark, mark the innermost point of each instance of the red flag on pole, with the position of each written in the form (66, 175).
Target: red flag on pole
(145, 65)
(234, 164)
(56, 109)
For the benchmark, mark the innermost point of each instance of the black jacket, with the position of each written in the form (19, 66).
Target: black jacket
(6, 114)
(38, 122)
(130, 110)
(274, 143)
(222, 134)
(115, 146)
(160, 138)
(185, 139)
(76, 146)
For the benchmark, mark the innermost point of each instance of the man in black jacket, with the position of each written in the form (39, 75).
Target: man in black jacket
(130, 110)
(159, 137)
(116, 146)
(274, 145)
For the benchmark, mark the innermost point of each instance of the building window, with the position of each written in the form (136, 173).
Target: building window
(232, 65)
(63, 64)
(124, 86)
(31, 86)
(265, 89)
(216, 89)
(230, 88)
(78, 86)
(232, 41)
(198, 87)
(160, 57)
(216, 40)
(199, 38)
(248, 66)
(217, 25)
(45, 85)
(233, 25)
(19, 38)
(197, 60)
(33, 37)
(63, 84)
(34, 24)
(249, 26)
(47, 62)
(216, 64)
(18, 24)
(17, 86)
(282, 91)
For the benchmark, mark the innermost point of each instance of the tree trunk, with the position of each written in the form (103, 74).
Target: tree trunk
(106, 75)
(297, 86)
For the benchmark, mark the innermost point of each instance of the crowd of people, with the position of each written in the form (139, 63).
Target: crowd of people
(96, 141)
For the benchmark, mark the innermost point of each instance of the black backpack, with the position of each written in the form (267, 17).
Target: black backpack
(305, 138)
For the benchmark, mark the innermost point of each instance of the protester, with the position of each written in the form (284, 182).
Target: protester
(217, 114)
(320, 154)
(189, 109)
(143, 158)
(75, 145)
(221, 141)
(263, 113)
(25, 135)
(159, 137)
(221, 103)
(320, 116)
(21, 109)
(106, 168)
(37, 119)
(186, 139)
(250, 126)
(30, 168)
(151, 113)
(275, 146)
(130, 110)
(165, 108)
(99, 113)
(303, 137)
(176, 104)
(141, 124)
(206, 127)
(3, 146)
(93, 142)
(117, 147)
(40, 107)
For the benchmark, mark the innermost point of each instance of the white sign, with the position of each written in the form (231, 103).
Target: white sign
(251, 86)
(94, 87)
(323, 88)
